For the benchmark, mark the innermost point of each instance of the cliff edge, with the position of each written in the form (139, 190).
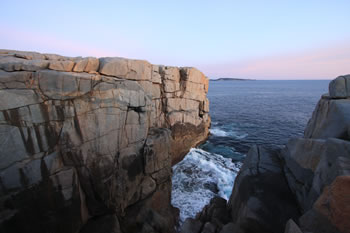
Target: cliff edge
(87, 144)
(304, 187)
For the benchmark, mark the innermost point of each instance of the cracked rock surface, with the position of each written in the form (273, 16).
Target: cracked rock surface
(88, 142)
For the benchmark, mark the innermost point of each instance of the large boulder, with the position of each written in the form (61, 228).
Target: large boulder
(331, 118)
(261, 200)
(301, 158)
(340, 87)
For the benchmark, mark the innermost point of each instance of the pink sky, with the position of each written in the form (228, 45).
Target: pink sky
(325, 62)
(322, 63)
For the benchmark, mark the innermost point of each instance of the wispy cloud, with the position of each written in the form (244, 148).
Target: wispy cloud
(321, 63)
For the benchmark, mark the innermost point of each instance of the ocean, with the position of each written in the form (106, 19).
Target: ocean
(243, 113)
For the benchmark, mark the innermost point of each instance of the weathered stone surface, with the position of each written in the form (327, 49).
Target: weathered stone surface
(61, 65)
(89, 64)
(81, 149)
(301, 157)
(15, 80)
(334, 203)
(13, 98)
(335, 162)
(17, 64)
(331, 118)
(64, 85)
(124, 68)
(261, 200)
(340, 87)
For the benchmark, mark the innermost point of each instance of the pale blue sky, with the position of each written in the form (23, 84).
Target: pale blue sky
(243, 39)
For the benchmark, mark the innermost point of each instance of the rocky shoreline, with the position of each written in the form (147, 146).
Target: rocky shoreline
(304, 187)
(87, 144)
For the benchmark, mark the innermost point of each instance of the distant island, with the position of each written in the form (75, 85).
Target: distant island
(232, 79)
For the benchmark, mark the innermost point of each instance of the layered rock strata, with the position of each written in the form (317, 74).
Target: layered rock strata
(87, 144)
(304, 187)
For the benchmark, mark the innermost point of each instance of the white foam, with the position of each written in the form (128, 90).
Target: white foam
(231, 133)
(218, 132)
(192, 176)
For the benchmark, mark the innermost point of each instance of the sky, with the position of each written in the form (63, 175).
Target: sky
(261, 39)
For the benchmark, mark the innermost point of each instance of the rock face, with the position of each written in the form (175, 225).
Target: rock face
(87, 144)
(303, 187)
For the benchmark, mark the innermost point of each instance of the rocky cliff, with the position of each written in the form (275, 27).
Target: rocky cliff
(87, 144)
(304, 187)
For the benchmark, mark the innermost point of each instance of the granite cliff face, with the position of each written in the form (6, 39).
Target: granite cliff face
(87, 144)
(304, 187)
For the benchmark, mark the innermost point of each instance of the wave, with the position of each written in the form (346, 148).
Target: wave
(199, 177)
(227, 133)
(218, 132)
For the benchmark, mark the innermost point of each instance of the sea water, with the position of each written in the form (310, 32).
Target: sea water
(243, 113)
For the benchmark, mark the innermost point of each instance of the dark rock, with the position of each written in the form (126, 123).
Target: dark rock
(215, 212)
(261, 200)
(103, 224)
(330, 119)
(292, 227)
(313, 221)
(208, 228)
(301, 157)
(231, 228)
(191, 226)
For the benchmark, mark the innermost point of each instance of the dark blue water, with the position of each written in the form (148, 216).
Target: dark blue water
(243, 113)
(259, 112)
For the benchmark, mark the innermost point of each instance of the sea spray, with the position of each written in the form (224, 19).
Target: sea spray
(198, 178)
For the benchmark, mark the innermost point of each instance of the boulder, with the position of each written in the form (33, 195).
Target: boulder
(301, 158)
(10, 64)
(89, 64)
(334, 203)
(330, 119)
(340, 87)
(61, 65)
(335, 162)
(215, 212)
(261, 200)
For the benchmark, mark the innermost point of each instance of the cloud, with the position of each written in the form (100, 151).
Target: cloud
(322, 63)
